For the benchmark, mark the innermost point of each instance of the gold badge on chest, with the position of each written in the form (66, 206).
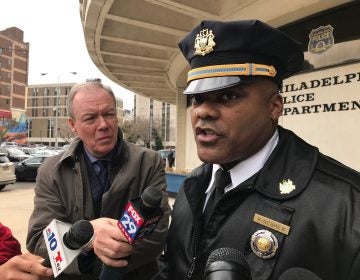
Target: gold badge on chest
(264, 244)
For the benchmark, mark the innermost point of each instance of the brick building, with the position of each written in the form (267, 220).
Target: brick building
(14, 61)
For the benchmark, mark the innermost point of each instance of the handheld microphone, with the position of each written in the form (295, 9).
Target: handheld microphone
(227, 263)
(64, 242)
(139, 219)
(298, 273)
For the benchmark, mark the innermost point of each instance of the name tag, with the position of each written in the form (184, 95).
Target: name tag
(284, 229)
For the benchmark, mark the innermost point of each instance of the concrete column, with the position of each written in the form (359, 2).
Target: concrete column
(180, 160)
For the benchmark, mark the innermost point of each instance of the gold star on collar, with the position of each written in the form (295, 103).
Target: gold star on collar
(286, 186)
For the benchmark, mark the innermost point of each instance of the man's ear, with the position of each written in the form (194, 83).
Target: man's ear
(277, 106)
(71, 123)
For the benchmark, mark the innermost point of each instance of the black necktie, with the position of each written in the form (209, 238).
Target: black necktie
(103, 173)
(222, 179)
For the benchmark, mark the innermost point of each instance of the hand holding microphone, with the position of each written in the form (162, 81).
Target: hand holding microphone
(64, 242)
(139, 219)
(110, 245)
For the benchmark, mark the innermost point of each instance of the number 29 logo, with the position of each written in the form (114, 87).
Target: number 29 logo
(128, 224)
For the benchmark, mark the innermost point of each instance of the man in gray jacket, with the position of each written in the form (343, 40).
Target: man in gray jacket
(93, 180)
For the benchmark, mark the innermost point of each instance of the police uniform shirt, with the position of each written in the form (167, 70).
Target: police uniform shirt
(245, 169)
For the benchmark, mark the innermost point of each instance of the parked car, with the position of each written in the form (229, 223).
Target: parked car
(7, 171)
(165, 153)
(9, 144)
(27, 169)
(46, 153)
(14, 154)
(28, 150)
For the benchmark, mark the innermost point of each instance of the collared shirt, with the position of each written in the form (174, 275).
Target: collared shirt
(92, 160)
(247, 168)
(98, 173)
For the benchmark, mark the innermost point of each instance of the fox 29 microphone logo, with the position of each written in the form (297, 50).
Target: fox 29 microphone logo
(134, 225)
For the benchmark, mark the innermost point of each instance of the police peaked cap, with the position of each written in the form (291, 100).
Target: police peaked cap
(223, 54)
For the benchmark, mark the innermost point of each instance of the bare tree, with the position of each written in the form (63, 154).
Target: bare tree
(138, 131)
(65, 133)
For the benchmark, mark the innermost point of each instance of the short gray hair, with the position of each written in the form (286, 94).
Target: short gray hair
(88, 85)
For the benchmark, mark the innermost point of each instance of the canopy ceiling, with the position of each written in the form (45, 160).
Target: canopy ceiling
(134, 42)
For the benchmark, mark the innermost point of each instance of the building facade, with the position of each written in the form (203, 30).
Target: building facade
(161, 117)
(321, 103)
(14, 61)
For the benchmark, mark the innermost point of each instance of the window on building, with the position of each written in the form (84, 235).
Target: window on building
(29, 123)
(9, 61)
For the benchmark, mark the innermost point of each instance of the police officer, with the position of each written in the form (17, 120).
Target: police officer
(284, 204)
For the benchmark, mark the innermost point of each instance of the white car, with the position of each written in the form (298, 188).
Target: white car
(7, 171)
(9, 144)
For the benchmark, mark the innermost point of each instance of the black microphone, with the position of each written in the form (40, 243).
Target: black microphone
(64, 242)
(78, 235)
(227, 264)
(298, 273)
(139, 219)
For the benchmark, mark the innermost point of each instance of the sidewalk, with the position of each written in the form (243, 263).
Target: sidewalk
(16, 205)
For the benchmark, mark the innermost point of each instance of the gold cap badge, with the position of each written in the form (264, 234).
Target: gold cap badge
(204, 42)
(264, 244)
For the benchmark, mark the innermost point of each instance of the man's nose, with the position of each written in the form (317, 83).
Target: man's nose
(207, 109)
(102, 121)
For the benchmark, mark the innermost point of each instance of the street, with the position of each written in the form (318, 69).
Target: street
(16, 204)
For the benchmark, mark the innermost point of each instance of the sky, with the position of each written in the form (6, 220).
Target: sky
(57, 46)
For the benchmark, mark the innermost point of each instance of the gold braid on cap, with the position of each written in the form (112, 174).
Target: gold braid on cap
(245, 69)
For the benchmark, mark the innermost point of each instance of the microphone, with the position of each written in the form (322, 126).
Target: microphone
(139, 219)
(227, 264)
(64, 242)
(298, 273)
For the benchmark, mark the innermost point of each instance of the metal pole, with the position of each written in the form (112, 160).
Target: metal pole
(28, 131)
(57, 112)
(57, 109)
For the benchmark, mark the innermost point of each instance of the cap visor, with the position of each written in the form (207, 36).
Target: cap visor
(211, 84)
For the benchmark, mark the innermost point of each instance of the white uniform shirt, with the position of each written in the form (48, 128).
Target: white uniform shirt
(245, 169)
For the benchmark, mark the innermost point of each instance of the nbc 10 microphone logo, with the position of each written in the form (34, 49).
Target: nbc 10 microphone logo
(130, 222)
(55, 252)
